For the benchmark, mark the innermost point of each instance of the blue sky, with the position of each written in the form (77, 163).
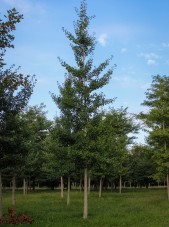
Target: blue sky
(135, 32)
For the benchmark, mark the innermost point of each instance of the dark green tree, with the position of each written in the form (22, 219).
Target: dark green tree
(79, 100)
(15, 91)
(37, 128)
(116, 133)
(157, 119)
(142, 165)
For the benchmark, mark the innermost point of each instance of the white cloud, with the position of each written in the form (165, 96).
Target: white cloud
(22, 5)
(166, 45)
(123, 50)
(150, 58)
(25, 6)
(103, 39)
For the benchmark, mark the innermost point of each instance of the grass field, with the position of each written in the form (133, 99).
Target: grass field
(133, 208)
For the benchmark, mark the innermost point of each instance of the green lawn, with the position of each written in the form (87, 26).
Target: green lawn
(139, 208)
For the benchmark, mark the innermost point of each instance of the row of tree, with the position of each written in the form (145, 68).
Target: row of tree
(86, 138)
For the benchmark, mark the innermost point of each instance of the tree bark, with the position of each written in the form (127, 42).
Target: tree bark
(120, 184)
(13, 191)
(24, 186)
(100, 188)
(61, 186)
(89, 185)
(85, 210)
(1, 213)
(68, 191)
(168, 185)
(80, 186)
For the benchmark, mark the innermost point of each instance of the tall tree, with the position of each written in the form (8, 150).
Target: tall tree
(80, 102)
(157, 119)
(15, 90)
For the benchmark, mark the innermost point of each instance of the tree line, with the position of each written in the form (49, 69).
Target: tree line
(88, 144)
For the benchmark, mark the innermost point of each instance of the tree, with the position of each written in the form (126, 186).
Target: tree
(141, 165)
(15, 90)
(157, 119)
(38, 128)
(116, 131)
(83, 81)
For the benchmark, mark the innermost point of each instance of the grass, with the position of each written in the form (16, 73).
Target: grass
(133, 208)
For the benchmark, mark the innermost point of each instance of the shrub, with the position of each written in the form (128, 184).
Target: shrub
(14, 219)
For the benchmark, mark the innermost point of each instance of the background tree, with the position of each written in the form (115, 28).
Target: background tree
(84, 81)
(142, 165)
(157, 119)
(38, 128)
(116, 133)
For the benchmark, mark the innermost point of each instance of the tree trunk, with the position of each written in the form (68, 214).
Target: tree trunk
(61, 186)
(100, 188)
(85, 210)
(89, 185)
(1, 196)
(130, 184)
(13, 191)
(168, 185)
(68, 191)
(120, 184)
(80, 186)
(24, 186)
(112, 185)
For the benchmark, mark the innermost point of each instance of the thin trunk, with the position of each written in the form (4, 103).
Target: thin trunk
(61, 186)
(24, 186)
(13, 191)
(165, 149)
(85, 210)
(112, 185)
(130, 184)
(68, 191)
(27, 186)
(168, 185)
(1, 213)
(100, 188)
(120, 184)
(80, 186)
(89, 185)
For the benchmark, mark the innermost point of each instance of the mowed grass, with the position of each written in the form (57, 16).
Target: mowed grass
(132, 208)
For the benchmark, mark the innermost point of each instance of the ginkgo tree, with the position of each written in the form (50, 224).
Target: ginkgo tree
(15, 92)
(157, 119)
(79, 100)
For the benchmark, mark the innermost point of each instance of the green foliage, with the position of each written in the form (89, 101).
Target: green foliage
(37, 128)
(142, 165)
(7, 26)
(157, 119)
(15, 92)
(79, 100)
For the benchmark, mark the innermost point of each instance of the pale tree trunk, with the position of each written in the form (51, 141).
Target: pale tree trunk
(168, 185)
(165, 149)
(61, 186)
(24, 186)
(130, 184)
(13, 191)
(89, 185)
(80, 186)
(120, 184)
(68, 191)
(100, 188)
(0, 195)
(85, 208)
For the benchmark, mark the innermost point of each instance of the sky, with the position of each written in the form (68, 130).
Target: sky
(135, 32)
